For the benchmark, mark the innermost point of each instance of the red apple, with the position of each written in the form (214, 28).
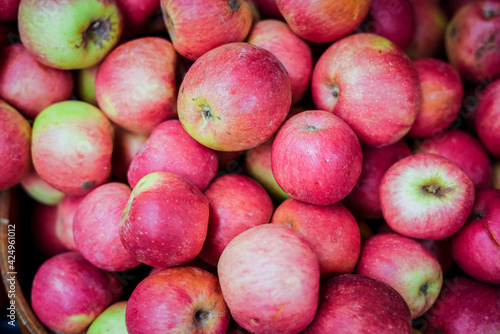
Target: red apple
(426, 196)
(8, 10)
(488, 119)
(66, 211)
(371, 84)
(310, 155)
(126, 146)
(269, 277)
(40, 190)
(135, 86)
(85, 84)
(137, 14)
(234, 97)
(111, 320)
(43, 228)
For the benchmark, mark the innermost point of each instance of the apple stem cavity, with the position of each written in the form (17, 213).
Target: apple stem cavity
(335, 91)
(234, 5)
(201, 317)
(433, 189)
(423, 288)
(97, 32)
(206, 112)
(310, 128)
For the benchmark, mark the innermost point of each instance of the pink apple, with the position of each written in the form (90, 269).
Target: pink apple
(360, 304)
(270, 280)
(487, 118)
(371, 84)
(363, 200)
(40, 190)
(126, 146)
(331, 231)
(137, 14)
(178, 300)
(426, 196)
(43, 228)
(405, 265)
(237, 203)
(85, 84)
(135, 86)
(8, 10)
(111, 320)
(234, 97)
(66, 211)
(310, 155)
(171, 149)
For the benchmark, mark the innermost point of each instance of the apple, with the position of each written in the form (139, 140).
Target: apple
(472, 41)
(197, 26)
(43, 230)
(452, 6)
(487, 118)
(464, 150)
(135, 86)
(40, 190)
(477, 244)
(69, 34)
(137, 14)
(442, 93)
(28, 85)
(237, 203)
(125, 148)
(363, 200)
(68, 293)
(66, 211)
(15, 154)
(360, 304)
(177, 300)
(8, 10)
(171, 149)
(405, 265)
(165, 221)
(85, 84)
(371, 84)
(426, 196)
(331, 231)
(310, 155)
(111, 320)
(323, 21)
(294, 53)
(72, 146)
(234, 97)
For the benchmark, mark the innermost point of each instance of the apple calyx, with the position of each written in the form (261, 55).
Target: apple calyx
(97, 32)
(489, 13)
(423, 288)
(206, 112)
(436, 190)
(201, 317)
(234, 5)
(335, 91)
(310, 128)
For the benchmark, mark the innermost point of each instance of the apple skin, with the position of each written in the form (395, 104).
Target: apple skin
(72, 144)
(160, 234)
(43, 230)
(442, 93)
(137, 14)
(28, 85)
(487, 118)
(478, 242)
(405, 265)
(323, 21)
(293, 52)
(40, 190)
(8, 10)
(472, 41)
(234, 97)
(363, 200)
(135, 86)
(171, 149)
(237, 203)
(125, 148)
(66, 211)
(190, 296)
(324, 144)
(331, 231)
(15, 153)
(465, 306)
(464, 150)
(360, 304)
(85, 84)
(68, 293)
(194, 30)
(69, 34)
(426, 196)
(111, 320)
(371, 84)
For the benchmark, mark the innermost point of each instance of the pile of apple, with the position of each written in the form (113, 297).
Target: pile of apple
(288, 166)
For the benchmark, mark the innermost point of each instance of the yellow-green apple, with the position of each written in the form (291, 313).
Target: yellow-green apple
(323, 21)
(363, 200)
(8, 10)
(68, 293)
(464, 150)
(405, 265)
(360, 304)
(310, 155)
(476, 247)
(293, 52)
(473, 43)
(85, 84)
(270, 279)
(69, 34)
(165, 221)
(28, 85)
(43, 230)
(488, 119)
(426, 196)
(111, 320)
(101, 210)
(178, 300)
(66, 210)
(125, 148)
(331, 231)
(135, 86)
(137, 14)
(187, 158)
(15, 154)
(72, 146)
(355, 79)
(234, 97)
(40, 190)
(442, 93)
(237, 203)
(198, 26)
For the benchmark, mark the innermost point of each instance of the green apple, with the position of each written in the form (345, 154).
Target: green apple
(111, 320)
(85, 84)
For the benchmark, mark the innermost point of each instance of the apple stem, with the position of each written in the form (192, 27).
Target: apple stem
(432, 189)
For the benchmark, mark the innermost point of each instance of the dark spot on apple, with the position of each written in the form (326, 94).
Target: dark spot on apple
(97, 32)
(487, 45)
(489, 13)
(234, 5)
(201, 317)
(423, 288)
(453, 31)
(478, 215)
(87, 185)
(206, 112)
